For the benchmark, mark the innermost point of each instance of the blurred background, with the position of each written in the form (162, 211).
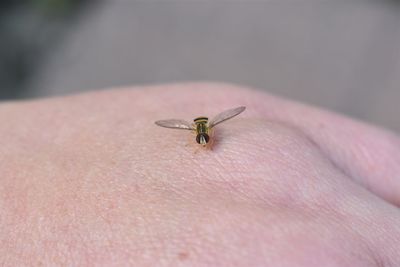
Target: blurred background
(341, 55)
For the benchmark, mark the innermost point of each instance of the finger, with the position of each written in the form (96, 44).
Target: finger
(367, 154)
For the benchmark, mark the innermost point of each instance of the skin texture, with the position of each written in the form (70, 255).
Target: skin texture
(89, 180)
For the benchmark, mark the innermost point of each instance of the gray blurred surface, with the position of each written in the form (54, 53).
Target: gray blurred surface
(342, 55)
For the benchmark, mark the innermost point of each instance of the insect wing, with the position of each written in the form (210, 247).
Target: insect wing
(226, 115)
(175, 124)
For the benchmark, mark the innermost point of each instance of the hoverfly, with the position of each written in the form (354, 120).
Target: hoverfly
(201, 126)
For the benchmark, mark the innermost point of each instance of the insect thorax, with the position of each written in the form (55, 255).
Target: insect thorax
(201, 125)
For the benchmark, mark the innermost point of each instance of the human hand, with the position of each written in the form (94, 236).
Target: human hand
(90, 180)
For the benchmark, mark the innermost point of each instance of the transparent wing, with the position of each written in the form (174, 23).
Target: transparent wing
(226, 115)
(175, 124)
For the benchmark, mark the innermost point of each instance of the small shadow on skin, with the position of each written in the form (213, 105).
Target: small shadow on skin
(183, 255)
(217, 135)
(220, 135)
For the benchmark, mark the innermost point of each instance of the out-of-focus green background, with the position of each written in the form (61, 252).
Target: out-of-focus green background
(29, 31)
(342, 55)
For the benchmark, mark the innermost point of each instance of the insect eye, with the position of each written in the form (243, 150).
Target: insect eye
(202, 138)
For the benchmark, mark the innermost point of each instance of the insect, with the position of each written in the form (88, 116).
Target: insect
(201, 125)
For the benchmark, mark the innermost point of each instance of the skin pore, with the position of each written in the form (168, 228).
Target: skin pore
(89, 180)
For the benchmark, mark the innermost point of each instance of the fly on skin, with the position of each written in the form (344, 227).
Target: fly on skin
(201, 125)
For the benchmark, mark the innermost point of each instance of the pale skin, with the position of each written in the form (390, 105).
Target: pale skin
(90, 180)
